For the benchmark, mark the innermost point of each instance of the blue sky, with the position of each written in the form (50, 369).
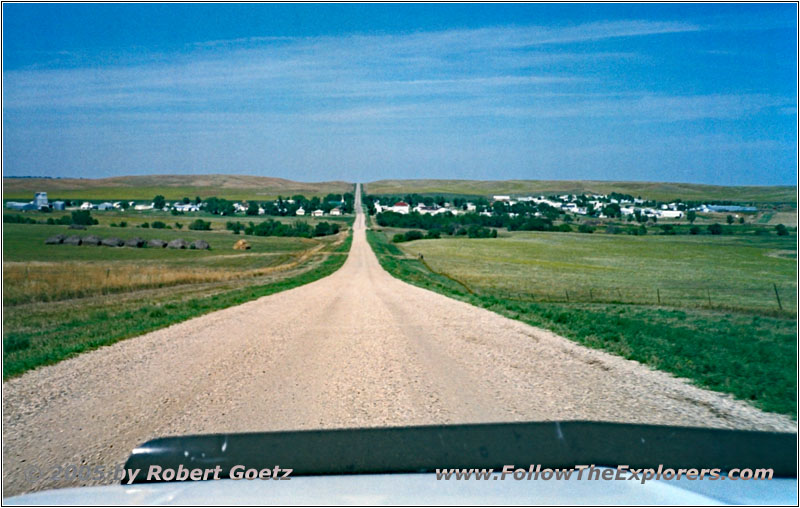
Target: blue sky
(658, 92)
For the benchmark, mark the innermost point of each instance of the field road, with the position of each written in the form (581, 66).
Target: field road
(357, 348)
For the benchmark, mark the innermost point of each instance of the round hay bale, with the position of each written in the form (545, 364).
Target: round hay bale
(73, 240)
(113, 242)
(200, 245)
(178, 243)
(55, 240)
(159, 244)
(134, 242)
(241, 245)
(90, 240)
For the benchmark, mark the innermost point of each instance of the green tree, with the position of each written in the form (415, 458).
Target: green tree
(83, 218)
(159, 202)
(252, 208)
(691, 216)
(729, 219)
(200, 225)
(715, 229)
(781, 230)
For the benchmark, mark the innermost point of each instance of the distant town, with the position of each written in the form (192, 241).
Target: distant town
(590, 205)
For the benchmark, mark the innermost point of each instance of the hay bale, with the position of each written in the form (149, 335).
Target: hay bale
(113, 242)
(178, 243)
(73, 240)
(55, 240)
(200, 245)
(134, 242)
(159, 244)
(90, 240)
(241, 245)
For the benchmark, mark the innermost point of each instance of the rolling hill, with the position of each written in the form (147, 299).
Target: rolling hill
(240, 187)
(661, 191)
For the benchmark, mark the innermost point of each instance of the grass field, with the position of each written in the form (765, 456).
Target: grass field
(740, 343)
(659, 191)
(172, 187)
(60, 300)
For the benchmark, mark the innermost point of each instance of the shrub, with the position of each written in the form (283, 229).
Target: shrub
(781, 230)
(123, 224)
(476, 231)
(145, 225)
(83, 218)
(158, 225)
(179, 225)
(694, 230)
(200, 225)
(564, 228)
(413, 235)
(715, 229)
(236, 227)
(585, 228)
(398, 238)
(326, 228)
(433, 234)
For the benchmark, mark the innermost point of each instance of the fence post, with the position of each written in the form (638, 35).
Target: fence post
(777, 296)
(658, 295)
(591, 296)
(566, 292)
(708, 293)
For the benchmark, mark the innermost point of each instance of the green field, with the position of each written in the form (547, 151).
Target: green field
(172, 187)
(658, 191)
(60, 300)
(718, 322)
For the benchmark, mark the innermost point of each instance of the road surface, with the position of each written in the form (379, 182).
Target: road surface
(358, 348)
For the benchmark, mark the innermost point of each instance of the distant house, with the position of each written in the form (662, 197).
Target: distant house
(670, 214)
(59, 205)
(317, 213)
(86, 206)
(105, 206)
(142, 207)
(400, 207)
(501, 198)
(186, 207)
(336, 211)
(300, 211)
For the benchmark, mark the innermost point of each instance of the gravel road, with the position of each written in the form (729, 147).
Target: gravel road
(357, 348)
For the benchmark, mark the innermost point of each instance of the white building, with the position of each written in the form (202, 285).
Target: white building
(501, 198)
(86, 205)
(40, 200)
(400, 207)
(317, 213)
(336, 211)
(186, 207)
(300, 211)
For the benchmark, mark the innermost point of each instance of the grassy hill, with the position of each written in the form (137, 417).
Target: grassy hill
(661, 191)
(171, 186)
